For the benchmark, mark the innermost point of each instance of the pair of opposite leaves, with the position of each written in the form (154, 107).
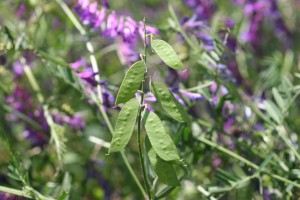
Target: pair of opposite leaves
(164, 148)
(129, 87)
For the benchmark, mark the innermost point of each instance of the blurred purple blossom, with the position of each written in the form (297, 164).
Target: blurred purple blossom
(21, 101)
(204, 9)
(76, 122)
(85, 72)
(114, 26)
(259, 11)
(6, 196)
(208, 41)
(21, 10)
(191, 96)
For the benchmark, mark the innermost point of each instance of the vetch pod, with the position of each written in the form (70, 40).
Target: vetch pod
(168, 102)
(124, 125)
(163, 169)
(161, 142)
(131, 82)
(167, 54)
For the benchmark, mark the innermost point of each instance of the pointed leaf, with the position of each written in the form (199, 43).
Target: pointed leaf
(161, 142)
(131, 82)
(273, 111)
(168, 102)
(167, 54)
(164, 169)
(124, 126)
(279, 100)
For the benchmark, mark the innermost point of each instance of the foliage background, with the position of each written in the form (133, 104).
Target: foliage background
(252, 113)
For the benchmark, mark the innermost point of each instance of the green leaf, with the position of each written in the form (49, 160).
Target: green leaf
(63, 196)
(280, 102)
(273, 111)
(167, 54)
(161, 142)
(168, 102)
(164, 169)
(125, 125)
(164, 192)
(131, 82)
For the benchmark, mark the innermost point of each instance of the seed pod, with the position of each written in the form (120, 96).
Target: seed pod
(163, 169)
(124, 125)
(167, 54)
(168, 102)
(161, 142)
(131, 82)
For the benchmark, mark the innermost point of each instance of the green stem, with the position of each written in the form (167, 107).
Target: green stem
(90, 48)
(140, 118)
(282, 133)
(41, 100)
(14, 192)
(192, 45)
(181, 31)
(244, 160)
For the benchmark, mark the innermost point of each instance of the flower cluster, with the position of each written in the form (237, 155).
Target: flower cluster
(257, 13)
(85, 72)
(116, 27)
(204, 9)
(20, 100)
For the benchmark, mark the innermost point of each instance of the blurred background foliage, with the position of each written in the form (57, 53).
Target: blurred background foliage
(256, 97)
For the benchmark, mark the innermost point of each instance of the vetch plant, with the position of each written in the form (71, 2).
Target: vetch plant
(201, 104)
(161, 148)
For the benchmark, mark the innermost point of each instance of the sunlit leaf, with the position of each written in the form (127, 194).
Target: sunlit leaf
(131, 82)
(161, 142)
(168, 102)
(164, 169)
(124, 126)
(167, 54)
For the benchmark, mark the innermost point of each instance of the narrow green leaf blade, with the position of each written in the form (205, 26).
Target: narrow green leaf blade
(124, 126)
(167, 54)
(131, 82)
(164, 169)
(279, 100)
(168, 102)
(161, 142)
(273, 111)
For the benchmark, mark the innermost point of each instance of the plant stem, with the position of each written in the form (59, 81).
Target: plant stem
(14, 191)
(282, 133)
(244, 160)
(95, 68)
(47, 115)
(140, 117)
(181, 31)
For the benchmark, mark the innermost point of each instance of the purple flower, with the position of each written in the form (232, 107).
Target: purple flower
(115, 27)
(199, 29)
(84, 71)
(21, 101)
(76, 122)
(191, 96)
(204, 9)
(208, 41)
(78, 64)
(21, 10)
(111, 25)
(108, 99)
(258, 12)
(127, 52)
(105, 4)
(18, 68)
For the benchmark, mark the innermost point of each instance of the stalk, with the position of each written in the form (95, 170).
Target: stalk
(140, 116)
(95, 68)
